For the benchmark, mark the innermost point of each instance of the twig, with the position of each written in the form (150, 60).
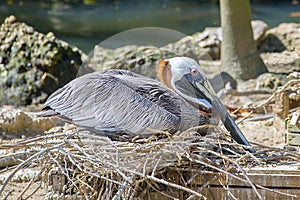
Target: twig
(202, 187)
(236, 177)
(225, 187)
(25, 163)
(155, 166)
(270, 99)
(162, 181)
(120, 190)
(34, 191)
(84, 183)
(22, 143)
(64, 171)
(248, 93)
(27, 186)
(7, 194)
(247, 178)
(13, 159)
(122, 166)
(170, 197)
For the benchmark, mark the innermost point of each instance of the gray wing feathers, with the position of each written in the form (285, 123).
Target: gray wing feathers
(110, 102)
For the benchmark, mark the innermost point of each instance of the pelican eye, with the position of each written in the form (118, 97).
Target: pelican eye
(194, 71)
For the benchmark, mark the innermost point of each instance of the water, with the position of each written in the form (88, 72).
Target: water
(87, 23)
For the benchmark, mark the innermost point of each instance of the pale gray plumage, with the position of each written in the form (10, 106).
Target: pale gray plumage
(118, 101)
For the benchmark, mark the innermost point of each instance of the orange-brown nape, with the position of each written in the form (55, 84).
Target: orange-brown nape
(164, 73)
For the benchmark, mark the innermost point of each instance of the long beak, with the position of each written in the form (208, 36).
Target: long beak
(204, 96)
(225, 117)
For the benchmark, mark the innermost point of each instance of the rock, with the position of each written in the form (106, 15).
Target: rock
(143, 59)
(271, 43)
(33, 65)
(11, 19)
(259, 29)
(280, 48)
(203, 46)
(139, 59)
(283, 62)
(17, 122)
(209, 41)
(270, 80)
(285, 36)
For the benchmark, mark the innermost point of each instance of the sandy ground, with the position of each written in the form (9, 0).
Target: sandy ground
(14, 189)
(263, 132)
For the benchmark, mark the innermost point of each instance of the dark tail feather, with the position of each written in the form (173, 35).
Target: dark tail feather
(46, 113)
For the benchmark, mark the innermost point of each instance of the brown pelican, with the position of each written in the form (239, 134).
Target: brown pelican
(119, 102)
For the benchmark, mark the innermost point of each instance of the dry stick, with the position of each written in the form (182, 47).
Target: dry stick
(120, 190)
(23, 142)
(33, 192)
(27, 186)
(236, 177)
(280, 150)
(7, 169)
(26, 162)
(144, 166)
(243, 172)
(248, 154)
(131, 190)
(160, 192)
(14, 159)
(155, 166)
(110, 189)
(101, 177)
(65, 172)
(84, 183)
(248, 93)
(66, 164)
(162, 181)
(100, 192)
(7, 194)
(139, 186)
(291, 82)
(202, 187)
(226, 188)
(248, 179)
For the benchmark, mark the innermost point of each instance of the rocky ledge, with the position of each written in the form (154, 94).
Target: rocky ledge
(33, 65)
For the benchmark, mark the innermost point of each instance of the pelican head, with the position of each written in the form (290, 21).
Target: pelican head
(184, 76)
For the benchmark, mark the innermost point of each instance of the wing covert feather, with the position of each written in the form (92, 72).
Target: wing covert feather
(119, 101)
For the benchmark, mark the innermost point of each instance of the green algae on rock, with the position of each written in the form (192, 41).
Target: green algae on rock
(33, 65)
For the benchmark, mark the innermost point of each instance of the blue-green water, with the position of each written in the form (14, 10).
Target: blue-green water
(87, 22)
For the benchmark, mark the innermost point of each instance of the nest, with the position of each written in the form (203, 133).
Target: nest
(79, 164)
